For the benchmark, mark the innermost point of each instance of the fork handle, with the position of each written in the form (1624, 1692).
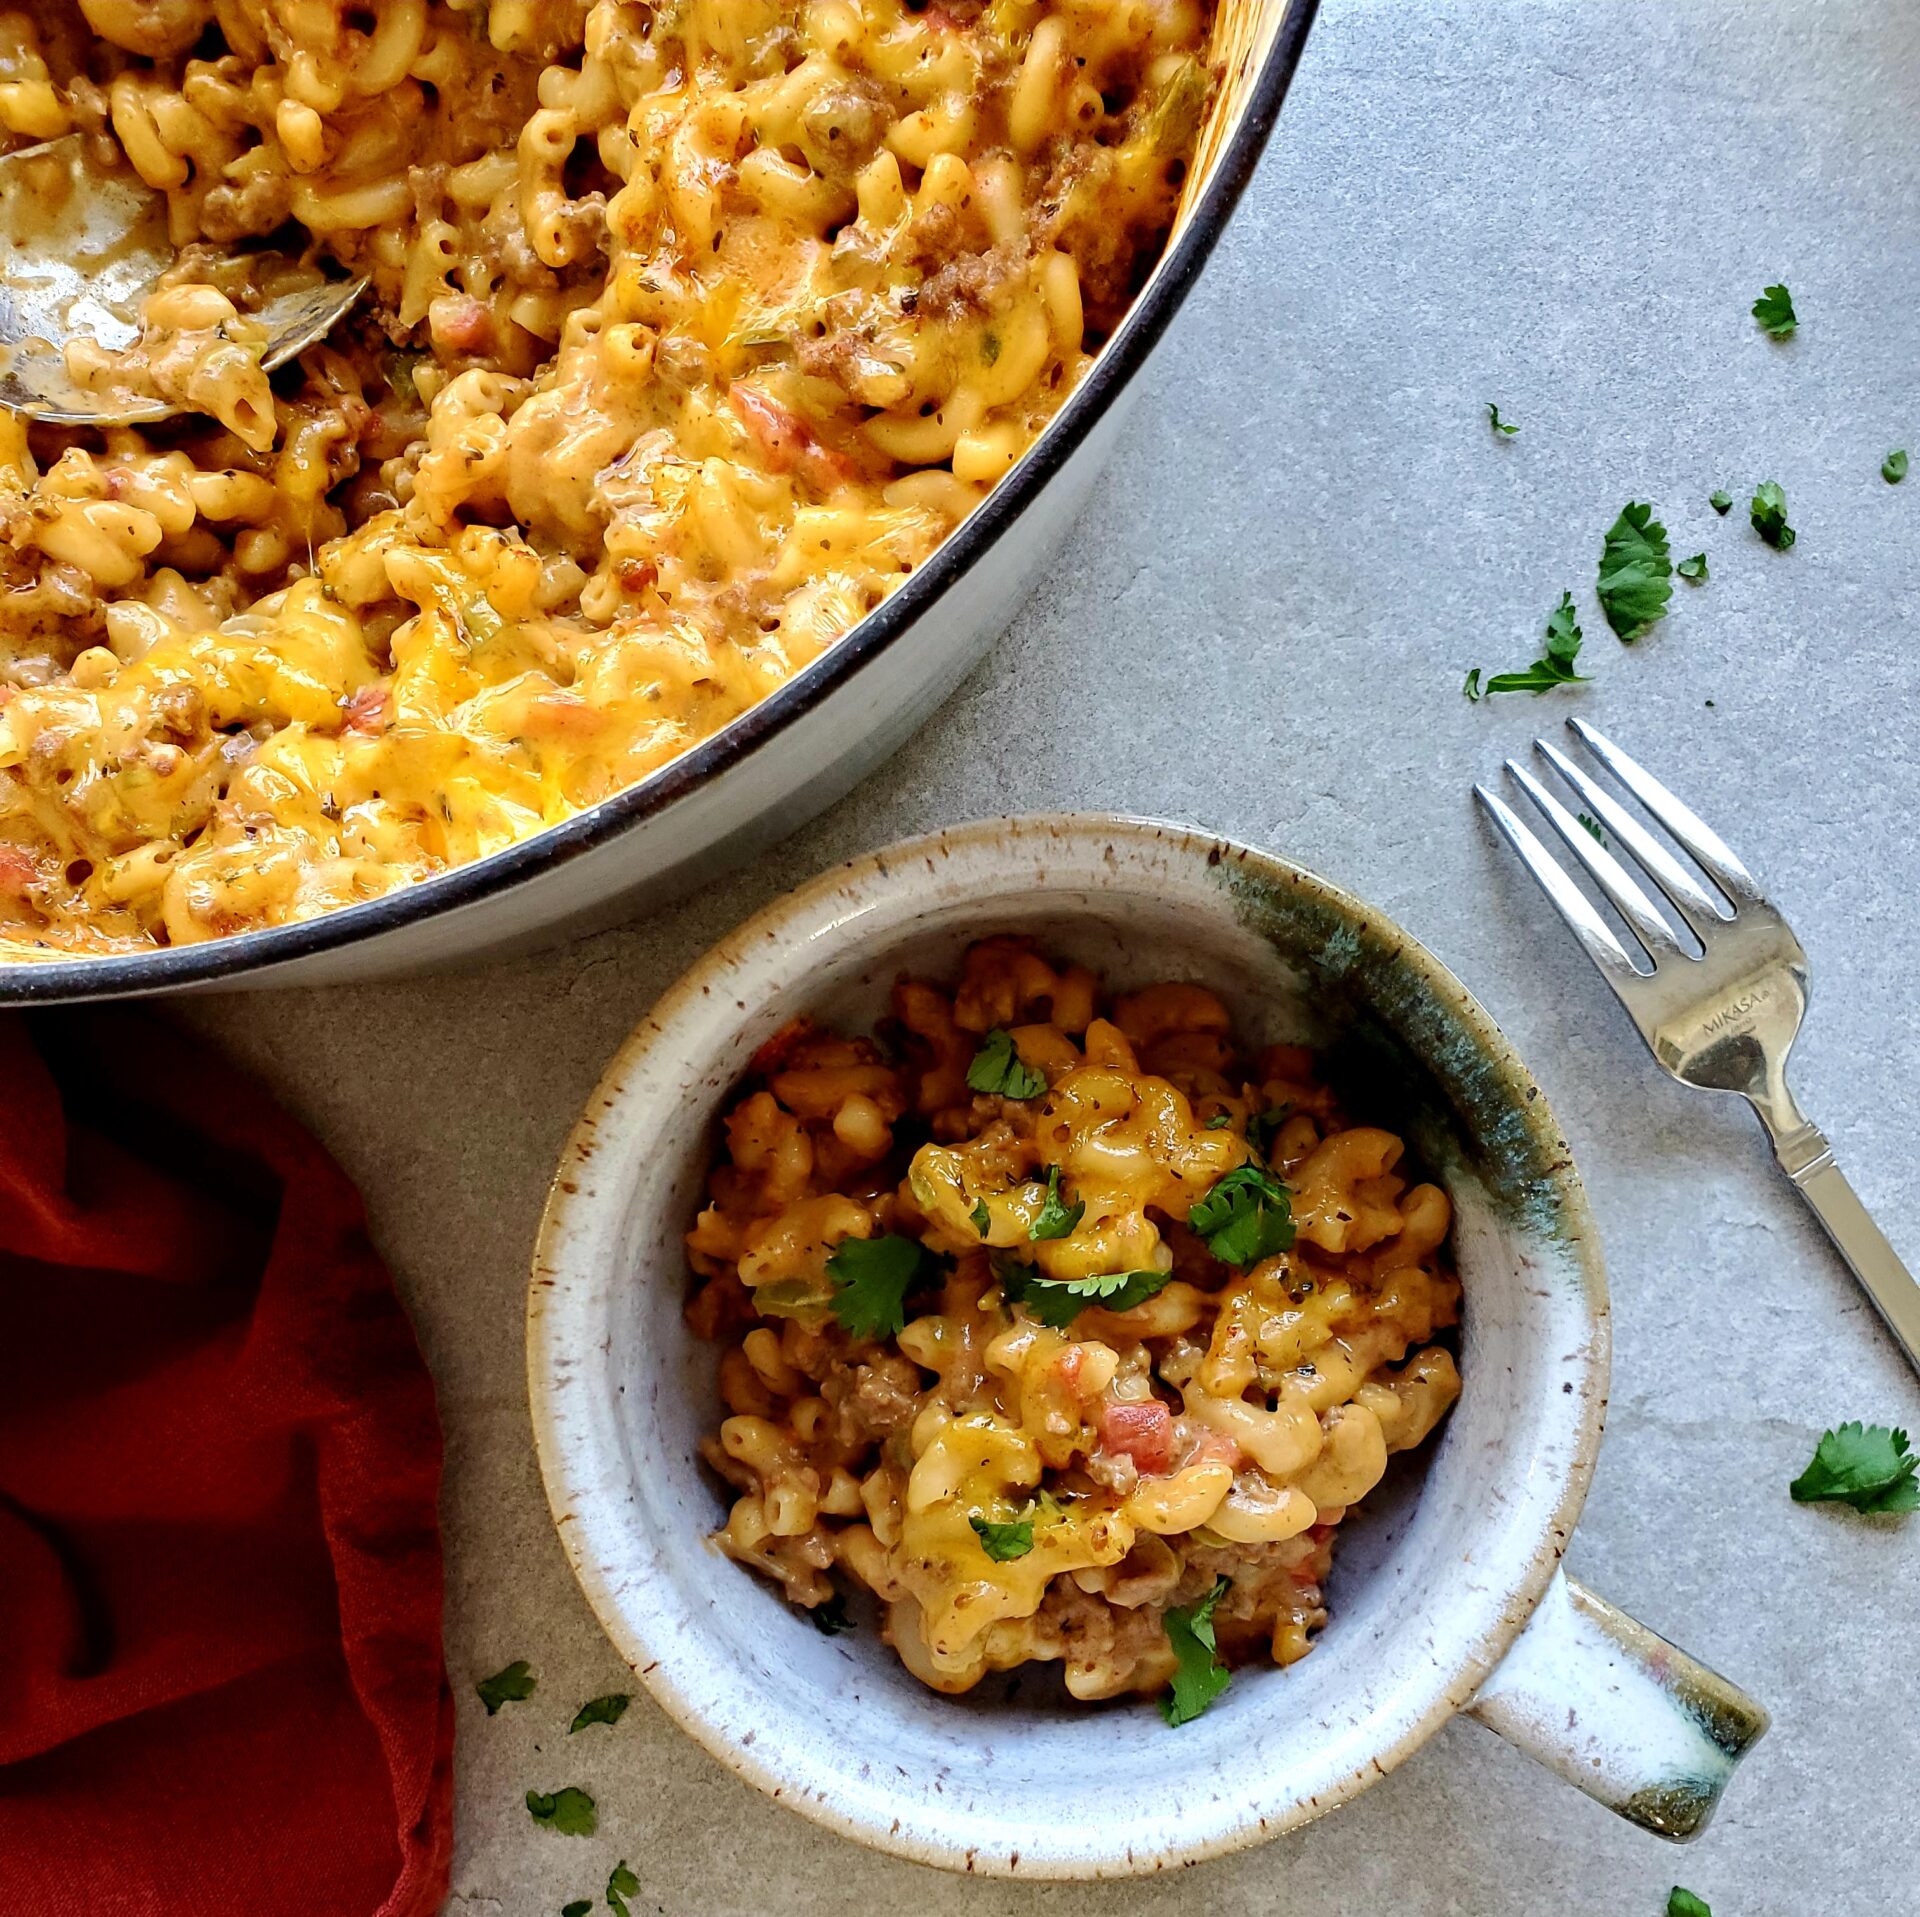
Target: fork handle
(1807, 1159)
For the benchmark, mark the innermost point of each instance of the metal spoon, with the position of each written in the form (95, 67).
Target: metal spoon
(81, 247)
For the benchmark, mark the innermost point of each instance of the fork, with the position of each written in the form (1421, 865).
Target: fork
(1722, 1019)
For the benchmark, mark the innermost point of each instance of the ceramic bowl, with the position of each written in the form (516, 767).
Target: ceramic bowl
(1446, 1593)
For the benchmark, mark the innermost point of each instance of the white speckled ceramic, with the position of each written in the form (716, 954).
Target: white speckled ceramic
(1446, 1593)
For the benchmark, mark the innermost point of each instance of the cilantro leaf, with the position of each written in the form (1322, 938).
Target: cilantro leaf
(1554, 667)
(578, 1908)
(1059, 1301)
(1769, 515)
(514, 1685)
(1247, 1216)
(1774, 310)
(1694, 569)
(1683, 1903)
(1866, 1466)
(1262, 1126)
(1635, 572)
(620, 1886)
(1721, 501)
(997, 1068)
(1219, 1121)
(982, 1218)
(872, 1277)
(1057, 1218)
(600, 1710)
(1198, 1675)
(569, 1811)
(1893, 469)
(1497, 423)
(829, 1617)
(1472, 687)
(1594, 826)
(1003, 1542)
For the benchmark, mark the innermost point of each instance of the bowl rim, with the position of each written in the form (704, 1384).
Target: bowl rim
(29, 981)
(811, 905)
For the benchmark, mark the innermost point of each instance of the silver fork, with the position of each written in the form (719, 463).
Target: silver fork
(1722, 1019)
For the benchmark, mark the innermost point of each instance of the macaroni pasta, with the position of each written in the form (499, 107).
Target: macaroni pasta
(1138, 1324)
(695, 326)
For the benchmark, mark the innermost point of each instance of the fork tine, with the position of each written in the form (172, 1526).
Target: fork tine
(1673, 878)
(1622, 891)
(1699, 839)
(1588, 927)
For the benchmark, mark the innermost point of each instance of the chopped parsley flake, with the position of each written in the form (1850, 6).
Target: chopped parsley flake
(1219, 1121)
(1554, 667)
(1497, 423)
(1694, 569)
(1683, 1903)
(829, 1617)
(996, 1068)
(1246, 1217)
(1594, 826)
(982, 1218)
(1472, 687)
(1893, 469)
(1774, 310)
(578, 1908)
(569, 1811)
(609, 1709)
(1198, 1675)
(1636, 572)
(1865, 1465)
(1769, 515)
(1003, 1542)
(514, 1685)
(871, 1278)
(620, 1886)
(1057, 1218)
(1721, 501)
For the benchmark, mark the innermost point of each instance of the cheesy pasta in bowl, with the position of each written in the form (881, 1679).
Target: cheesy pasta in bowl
(1121, 1263)
(1091, 1372)
(694, 332)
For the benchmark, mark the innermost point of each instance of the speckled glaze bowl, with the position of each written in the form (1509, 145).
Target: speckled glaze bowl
(1446, 1592)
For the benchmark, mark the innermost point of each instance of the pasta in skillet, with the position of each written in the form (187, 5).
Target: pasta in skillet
(1065, 1331)
(695, 326)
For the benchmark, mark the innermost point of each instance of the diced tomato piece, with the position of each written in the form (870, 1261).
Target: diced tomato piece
(367, 710)
(777, 1053)
(1142, 1432)
(459, 323)
(1068, 1365)
(562, 712)
(17, 871)
(786, 440)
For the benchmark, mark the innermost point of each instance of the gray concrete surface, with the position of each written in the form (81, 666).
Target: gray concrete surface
(1308, 536)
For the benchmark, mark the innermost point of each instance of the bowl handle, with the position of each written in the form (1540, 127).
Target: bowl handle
(1631, 1719)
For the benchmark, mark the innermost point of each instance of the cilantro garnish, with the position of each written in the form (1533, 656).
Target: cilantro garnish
(1694, 569)
(829, 1617)
(578, 1908)
(1198, 1675)
(1472, 687)
(982, 1218)
(1893, 469)
(1262, 1126)
(871, 1278)
(1769, 515)
(569, 1811)
(1059, 1301)
(1497, 423)
(1219, 1121)
(1721, 501)
(1774, 310)
(1003, 1542)
(600, 1710)
(1247, 1216)
(399, 371)
(1057, 1218)
(620, 1886)
(1554, 667)
(514, 1685)
(1864, 1465)
(1594, 826)
(997, 1068)
(1683, 1903)
(1635, 572)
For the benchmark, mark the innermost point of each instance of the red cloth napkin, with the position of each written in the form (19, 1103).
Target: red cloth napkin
(222, 1692)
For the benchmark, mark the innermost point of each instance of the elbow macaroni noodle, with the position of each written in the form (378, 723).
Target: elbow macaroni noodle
(695, 326)
(1219, 1428)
